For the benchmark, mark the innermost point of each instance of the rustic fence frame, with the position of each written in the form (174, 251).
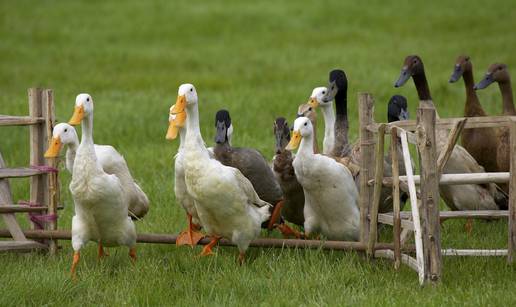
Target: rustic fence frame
(44, 180)
(425, 217)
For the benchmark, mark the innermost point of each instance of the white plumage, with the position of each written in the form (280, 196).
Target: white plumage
(225, 200)
(111, 161)
(101, 204)
(331, 197)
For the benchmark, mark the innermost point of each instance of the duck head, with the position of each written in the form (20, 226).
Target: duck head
(186, 96)
(412, 65)
(306, 110)
(461, 65)
(338, 82)
(63, 134)
(281, 133)
(223, 126)
(397, 109)
(302, 128)
(495, 73)
(83, 108)
(176, 121)
(318, 98)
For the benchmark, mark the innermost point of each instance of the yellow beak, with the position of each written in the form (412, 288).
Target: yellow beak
(177, 122)
(77, 116)
(54, 148)
(294, 141)
(180, 105)
(313, 102)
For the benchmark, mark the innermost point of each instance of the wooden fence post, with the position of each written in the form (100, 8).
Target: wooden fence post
(377, 191)
(512, 198)
(52, 184)
(37, 139)
(396, 198)
(426, 118)
(367, 142)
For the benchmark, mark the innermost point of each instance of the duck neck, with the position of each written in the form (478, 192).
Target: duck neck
(87, 130)
(473, 106)
(306, 147)
(508, 104)
(193, 136)
(423, 91)
(71, 152)
(329, 121)
(182, 137)
(314, 138)
(341, 121)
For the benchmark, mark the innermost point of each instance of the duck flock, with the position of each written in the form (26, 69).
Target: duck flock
(234, 192)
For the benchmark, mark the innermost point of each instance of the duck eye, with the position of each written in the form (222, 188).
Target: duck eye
(191, 90)
(415, 61)
(323, 92)
(306, 123)
(310, 109)
(66, 130)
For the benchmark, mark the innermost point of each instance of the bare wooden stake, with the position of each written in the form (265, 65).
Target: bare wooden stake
(396, 199)
(52, 183)
(37, 139)
(512, 198)
(366, 111)
(446, 152)
(422, 268)
(378, 176)
(427, 148)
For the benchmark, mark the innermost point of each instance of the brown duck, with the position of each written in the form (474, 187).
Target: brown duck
(499, 73)
(480, 143)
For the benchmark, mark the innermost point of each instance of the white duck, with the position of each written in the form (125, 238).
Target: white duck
(111, 161)
(331, 197)
(191, 236)
(101, 203)
(225, 200)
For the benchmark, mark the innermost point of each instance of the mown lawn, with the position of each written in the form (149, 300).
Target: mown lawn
(259, 60)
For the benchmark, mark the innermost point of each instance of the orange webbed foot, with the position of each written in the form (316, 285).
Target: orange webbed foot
(207, 250)
(75, 262)
(132, 254)
(288, 231)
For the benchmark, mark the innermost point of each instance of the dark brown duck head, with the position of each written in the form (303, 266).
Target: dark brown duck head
(224, 127)
(462, 65)
(413, 67)
(281, 133)
(495, 73)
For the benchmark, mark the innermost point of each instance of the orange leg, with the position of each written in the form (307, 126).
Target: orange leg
(241, 258)
(191, 236)
(75, 262)
(207, 250)
(469, 226)
(101, 252)
(288, 231)
(132, 254)
(275, 216)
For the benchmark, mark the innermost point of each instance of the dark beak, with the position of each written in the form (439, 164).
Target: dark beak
(331, 93)
(404, 76)
(299, 115)
(457, 73)
(488, 79)
(220, 137)
(404, 115)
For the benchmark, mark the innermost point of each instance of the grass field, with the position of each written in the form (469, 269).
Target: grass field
(259, 60)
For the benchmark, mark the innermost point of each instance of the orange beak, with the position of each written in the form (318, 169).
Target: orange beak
(180, 105)
(176, 122)
(77, 116)
(313, 102)
(54, 148)
(294, 141)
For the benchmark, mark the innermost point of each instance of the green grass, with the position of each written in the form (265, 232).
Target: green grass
(259, 60)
